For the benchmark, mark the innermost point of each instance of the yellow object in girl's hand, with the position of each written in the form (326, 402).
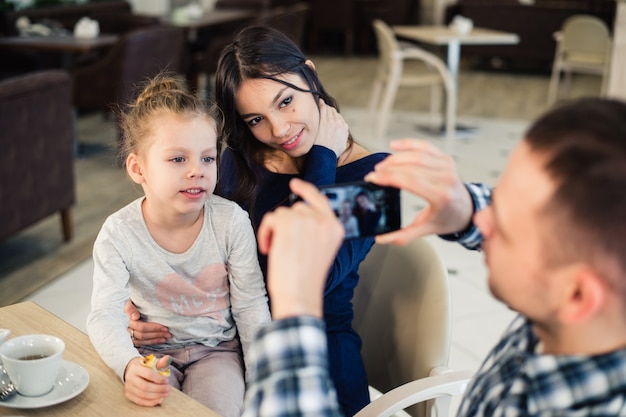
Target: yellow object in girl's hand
(151, 360)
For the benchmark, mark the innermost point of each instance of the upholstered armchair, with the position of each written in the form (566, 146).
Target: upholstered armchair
(36, 162)
(138, 54)
(108, 84)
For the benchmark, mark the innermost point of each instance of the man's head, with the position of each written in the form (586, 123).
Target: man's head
(556, 231)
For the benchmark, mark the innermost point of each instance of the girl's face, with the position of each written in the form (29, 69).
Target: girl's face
(279, 116)
(176, 165)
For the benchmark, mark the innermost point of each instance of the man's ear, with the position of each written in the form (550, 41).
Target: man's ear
(133, 168)
(310, 64)
(585, 296)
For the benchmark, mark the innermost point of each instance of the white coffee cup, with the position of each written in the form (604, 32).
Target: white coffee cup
(33, 362)
(462, 25)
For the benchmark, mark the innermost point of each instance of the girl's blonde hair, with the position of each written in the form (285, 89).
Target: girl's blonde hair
(164, 93)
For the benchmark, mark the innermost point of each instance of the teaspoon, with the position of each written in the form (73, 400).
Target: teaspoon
(7, 389)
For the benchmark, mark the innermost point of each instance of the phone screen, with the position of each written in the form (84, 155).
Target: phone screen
(364, 209)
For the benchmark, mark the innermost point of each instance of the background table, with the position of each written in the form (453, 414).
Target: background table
(105, 394)
(65, 45)
(212, 18)
(444, 35)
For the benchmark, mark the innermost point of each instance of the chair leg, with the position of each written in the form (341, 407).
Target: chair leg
(435, 104)
(373, 105)
(554, 86)
(567, 83)
(605, 84)
(349, 39)
(385, 108)
(67, 224)
(450, 126)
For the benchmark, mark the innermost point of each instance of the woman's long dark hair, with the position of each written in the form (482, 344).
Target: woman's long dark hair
(256, 52)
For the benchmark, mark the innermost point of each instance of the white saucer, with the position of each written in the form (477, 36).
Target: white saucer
(72, 380)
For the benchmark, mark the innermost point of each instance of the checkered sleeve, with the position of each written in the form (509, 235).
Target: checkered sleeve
(471, 237)
(289, 375)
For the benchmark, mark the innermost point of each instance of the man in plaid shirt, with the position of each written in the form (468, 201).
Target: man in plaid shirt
(554, 237)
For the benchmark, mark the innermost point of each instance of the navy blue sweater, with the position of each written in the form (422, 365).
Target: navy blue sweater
(346, 365)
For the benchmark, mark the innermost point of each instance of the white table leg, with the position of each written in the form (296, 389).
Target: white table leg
(454, 55)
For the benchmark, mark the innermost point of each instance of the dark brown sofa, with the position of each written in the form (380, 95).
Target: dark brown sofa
(534, 24)
(36, 162)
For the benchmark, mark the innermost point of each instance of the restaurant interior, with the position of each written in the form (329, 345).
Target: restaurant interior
(66, 67)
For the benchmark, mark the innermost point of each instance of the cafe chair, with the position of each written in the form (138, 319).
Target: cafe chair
(110, 82)
(583, 45)
(402, 311)
(138, 54)
(37, 159)
(393, 73)
(332, 17)
(290, 19)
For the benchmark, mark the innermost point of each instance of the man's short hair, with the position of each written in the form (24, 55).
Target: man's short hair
(584, 143)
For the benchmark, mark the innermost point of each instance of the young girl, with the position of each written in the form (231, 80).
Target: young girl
(186, 258)
(280, 123)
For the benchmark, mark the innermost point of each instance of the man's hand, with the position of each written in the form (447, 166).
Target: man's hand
(301, 243)
(143, 333)
(422, 169)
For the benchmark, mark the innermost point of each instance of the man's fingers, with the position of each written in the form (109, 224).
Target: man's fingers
(311, 195)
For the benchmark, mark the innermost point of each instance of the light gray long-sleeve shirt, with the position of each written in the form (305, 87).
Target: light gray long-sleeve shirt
(204, 295)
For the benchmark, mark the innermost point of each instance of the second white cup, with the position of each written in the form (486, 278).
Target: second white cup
(33, 362)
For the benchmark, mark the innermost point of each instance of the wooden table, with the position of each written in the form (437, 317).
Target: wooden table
(67, 46)
(105, 394)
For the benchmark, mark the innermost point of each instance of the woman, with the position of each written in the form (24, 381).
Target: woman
(280, 123)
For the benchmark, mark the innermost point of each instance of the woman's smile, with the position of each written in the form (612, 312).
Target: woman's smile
(293, 142)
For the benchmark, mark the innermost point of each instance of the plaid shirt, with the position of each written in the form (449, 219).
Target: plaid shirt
(516, 381)
(290, 375)
(471, 237)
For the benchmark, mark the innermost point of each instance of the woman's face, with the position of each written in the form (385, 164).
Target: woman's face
(279, 116)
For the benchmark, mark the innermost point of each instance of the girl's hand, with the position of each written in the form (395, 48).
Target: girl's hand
(144, 385)
(422, 169)
(333, 130)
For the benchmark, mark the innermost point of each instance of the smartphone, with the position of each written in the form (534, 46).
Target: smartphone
(363, 208)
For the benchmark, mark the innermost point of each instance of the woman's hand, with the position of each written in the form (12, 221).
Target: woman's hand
(145, 386)
(333, 130)
(422, 169)
(143, 333)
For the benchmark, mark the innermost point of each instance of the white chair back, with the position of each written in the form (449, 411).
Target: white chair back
(391, 75)
(583, 46)
(403, 314)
